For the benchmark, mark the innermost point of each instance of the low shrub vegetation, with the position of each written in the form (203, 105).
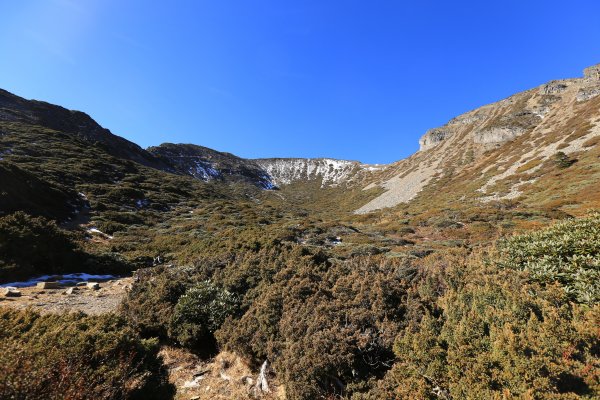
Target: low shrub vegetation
(568, 253)
(73, 356)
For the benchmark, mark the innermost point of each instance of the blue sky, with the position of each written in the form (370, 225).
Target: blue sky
(347, 79)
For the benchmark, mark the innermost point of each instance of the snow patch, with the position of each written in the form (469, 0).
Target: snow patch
(204, 171)
(98, 232)
(142, 203)
(67, 279)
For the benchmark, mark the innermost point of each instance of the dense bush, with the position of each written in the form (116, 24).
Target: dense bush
(199, 313)
(493, 332)
(24, 191)
(567, 253)
(494, 335)
(150, 303)
(73, 356)
(326, 328)
(33, 245)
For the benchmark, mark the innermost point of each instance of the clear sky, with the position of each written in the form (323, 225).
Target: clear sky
(348, 79)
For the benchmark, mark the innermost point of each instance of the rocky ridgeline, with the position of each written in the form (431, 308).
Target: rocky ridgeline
(266, 173)
(491, 124)
(460, 142)
(75, 123)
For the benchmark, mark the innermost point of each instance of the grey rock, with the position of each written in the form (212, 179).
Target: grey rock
(48, 285)
(433, 137)
(587, 93)
(497, 135)
(11, 292)
(554, 87)
(592, 73)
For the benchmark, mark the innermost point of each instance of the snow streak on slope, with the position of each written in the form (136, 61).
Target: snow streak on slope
(284, 171)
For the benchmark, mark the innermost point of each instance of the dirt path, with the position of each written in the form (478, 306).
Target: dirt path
(89, 301)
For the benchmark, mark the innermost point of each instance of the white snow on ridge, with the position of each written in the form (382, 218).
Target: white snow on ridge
(372, 167)
(332, 172)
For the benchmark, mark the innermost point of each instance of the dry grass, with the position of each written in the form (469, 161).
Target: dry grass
(529, 165)
(591, 142)
(224, 377)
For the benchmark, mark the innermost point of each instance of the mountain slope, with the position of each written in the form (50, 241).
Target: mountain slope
(14, 109)
(209, 165)
(499, 151)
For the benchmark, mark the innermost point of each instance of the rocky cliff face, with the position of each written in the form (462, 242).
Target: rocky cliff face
(592, 73)
(503, 121)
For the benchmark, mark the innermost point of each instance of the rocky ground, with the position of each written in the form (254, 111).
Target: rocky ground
(224, 376)
(90, 301)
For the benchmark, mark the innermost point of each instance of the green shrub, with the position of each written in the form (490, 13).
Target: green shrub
(110, 227)
(562, 160)
(149, 304)
(567, 253)
(33, 245)
(326, 328)
(503, 324)
(199, 313)
(493, 335)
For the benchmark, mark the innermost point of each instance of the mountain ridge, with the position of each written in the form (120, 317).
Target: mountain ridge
(464, 143)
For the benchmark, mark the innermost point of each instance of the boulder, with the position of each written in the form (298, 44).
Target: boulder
(72, 290)
(93, 285)
(48, 285)
(11, 292)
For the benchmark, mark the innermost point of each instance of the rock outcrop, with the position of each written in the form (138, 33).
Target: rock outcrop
(592, 73)
(433, 137)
